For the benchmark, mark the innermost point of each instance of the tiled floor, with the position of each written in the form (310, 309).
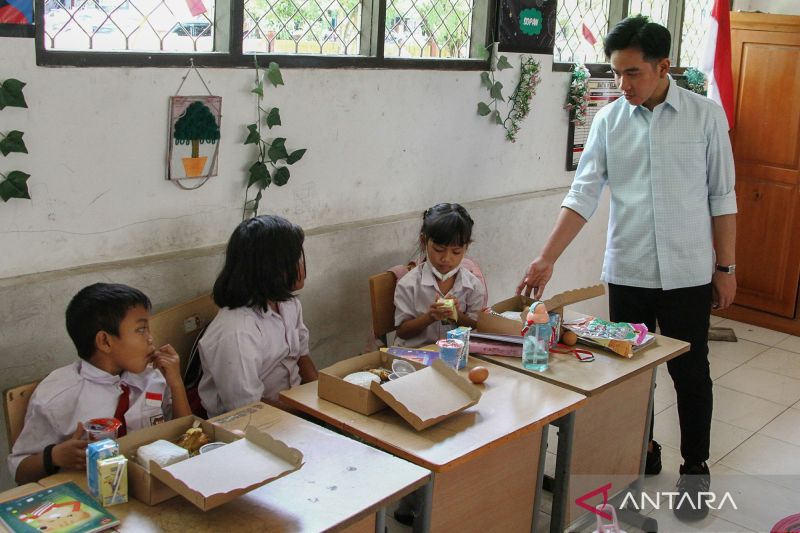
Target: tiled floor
(755, 434)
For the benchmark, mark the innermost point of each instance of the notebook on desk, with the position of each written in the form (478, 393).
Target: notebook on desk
(63, 508)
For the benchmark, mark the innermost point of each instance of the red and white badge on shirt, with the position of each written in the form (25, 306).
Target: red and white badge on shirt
(153, 399)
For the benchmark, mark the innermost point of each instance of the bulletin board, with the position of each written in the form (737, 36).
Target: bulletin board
(526, 26)
(602, 91)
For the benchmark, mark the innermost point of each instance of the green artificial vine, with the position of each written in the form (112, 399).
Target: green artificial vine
(520, 98)
(523, 94)
(577, 98)
(695, 81)
(271, 165)
(15, 183)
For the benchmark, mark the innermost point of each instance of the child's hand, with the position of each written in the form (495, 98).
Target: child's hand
(166, 360)
(71, 453)
(439, 311)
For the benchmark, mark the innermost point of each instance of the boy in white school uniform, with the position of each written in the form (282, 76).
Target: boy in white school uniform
(109, 325)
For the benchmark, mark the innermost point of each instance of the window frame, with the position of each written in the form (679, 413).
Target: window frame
(617, 10)
(373, 17)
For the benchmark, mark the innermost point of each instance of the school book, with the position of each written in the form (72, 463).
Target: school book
(63, 508)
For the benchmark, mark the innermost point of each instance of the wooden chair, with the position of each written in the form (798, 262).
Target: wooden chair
(180, 325)
(381, 292)
(15, 405)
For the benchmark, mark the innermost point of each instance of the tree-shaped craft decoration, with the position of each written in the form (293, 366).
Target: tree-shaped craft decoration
(15, 183)
(196, 126)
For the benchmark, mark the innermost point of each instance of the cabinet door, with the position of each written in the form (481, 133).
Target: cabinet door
(767, 247)
(766, 148)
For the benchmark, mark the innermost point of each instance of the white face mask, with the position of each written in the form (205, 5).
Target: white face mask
(443, 277)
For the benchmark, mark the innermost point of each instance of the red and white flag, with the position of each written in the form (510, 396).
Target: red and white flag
(588, 35)
(717, 59)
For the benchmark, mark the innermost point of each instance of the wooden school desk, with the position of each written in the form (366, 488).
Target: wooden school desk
(608, 435)
(487, 460)
(341, 486)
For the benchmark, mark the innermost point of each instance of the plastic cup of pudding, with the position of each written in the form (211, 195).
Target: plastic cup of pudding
(205, 448)
(101, 428)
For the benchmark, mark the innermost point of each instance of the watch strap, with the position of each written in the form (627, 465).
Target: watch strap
(47, 459)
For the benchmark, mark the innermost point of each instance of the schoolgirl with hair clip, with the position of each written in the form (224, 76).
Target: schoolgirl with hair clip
(440, 293)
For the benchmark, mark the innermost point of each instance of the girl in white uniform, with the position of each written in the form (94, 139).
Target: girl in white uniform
(444, 239)
(257, 345)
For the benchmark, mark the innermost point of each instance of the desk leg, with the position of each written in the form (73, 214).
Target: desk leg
(539, 480)
(631, 517)
(380, 520)
(422, 524)
(566, 426)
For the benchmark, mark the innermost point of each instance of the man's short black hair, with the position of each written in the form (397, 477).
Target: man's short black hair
(100, 307)
(638, 32)
(262, 263)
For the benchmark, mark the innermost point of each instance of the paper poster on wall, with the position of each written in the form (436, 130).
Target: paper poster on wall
(527, 26)
(602, 91)
(194, 123)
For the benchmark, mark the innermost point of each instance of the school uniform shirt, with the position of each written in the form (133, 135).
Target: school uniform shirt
(80, 392)
(249, 354)
(417, 290)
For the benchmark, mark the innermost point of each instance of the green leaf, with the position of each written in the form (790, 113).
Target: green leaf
(277, 150)
(497, 91)
(13, 143)
(253, 137)
(281, 176)
(502, 63)
(483, 109)
(295, 156)
(273, 118)
(259, 174)
(11, 94)
(259, 89)
(274, 74)
(486, 80)
(15, 186)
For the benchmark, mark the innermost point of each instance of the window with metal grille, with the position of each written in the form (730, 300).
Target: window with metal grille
(582, 24)
(368, 33)
(129, 25)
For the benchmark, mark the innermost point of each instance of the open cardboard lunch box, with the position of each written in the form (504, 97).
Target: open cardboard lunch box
(423, 398)
(492, 322)
(210, 479)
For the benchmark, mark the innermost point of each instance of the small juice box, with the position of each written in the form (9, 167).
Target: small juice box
(113, 476)
(97, 451)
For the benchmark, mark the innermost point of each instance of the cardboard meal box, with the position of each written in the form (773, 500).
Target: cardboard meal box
(209, 479)
(491, 323)
(428, 396)
(332, 387)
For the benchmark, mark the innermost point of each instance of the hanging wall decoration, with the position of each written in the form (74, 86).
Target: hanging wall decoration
(527, 26)
(194, 136)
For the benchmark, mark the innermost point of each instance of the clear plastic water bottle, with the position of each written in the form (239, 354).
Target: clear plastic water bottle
(536, 347)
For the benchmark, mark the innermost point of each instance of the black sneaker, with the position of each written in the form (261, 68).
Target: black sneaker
(404, 517)
(689, 504)
(652, 465)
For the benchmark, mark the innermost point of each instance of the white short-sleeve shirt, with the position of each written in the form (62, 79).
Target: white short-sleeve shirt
(249, 354)
(80, 392)
(417, 290)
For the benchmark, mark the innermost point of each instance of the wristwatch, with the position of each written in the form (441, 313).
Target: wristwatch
(730, 269)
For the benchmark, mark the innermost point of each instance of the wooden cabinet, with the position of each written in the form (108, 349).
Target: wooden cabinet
(766, 148)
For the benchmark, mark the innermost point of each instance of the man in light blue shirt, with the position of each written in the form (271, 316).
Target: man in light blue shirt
(665, 155)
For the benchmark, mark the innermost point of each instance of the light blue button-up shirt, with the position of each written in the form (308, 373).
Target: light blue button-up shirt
(669, 171)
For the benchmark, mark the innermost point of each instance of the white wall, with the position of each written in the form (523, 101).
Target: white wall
(382, 146)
